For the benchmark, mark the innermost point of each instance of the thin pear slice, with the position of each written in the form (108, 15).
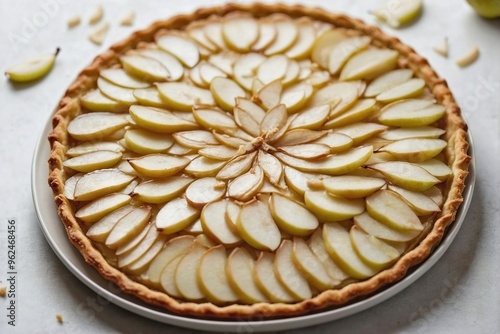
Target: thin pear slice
(208, 72)
(269, 95)
(382, 231)
(205, 190)
(311, 118)
(183, 96)
(317, 246)
(229, 141)
(245, 68)
(417, 132)
(351, 186)
(159, 120)
(324, 44)
(340, 248)
(101, 229)
(332, 165)
(237, 166)
(267, 281)
(128, 227)
(145, 142)
(344, 50)
(177, 149)
(167, 278)
(318, 79)
(296, 96)
(292, 217)
(246, 186)
(359, 132)
(415, 149)
(369, 64)
(418, 202)
(149, 97)
(195, 139)
(205, 241)
(275, 119)
(306, 151)
(195, 76)
(225, 91)
(173, 66)
(146, 69)
(388, 81)
(117, 93)
(212, 277)
(224, 61)
(181, 48)
(362, 109)
(33, 68)
(246, 122)
(158, 165)
(287, 33)
(299, 136)
(336, 141)
(301, 182)
(213, 32)
(92, 161)
(100, 207)
(175, 216)
(220, 152)
(232, 213)
(213, 119)
(240, 33)
(271, 166)
(410, 88)
(399, 12)
(411, 113)
(310, 266)
(99, 183)
(186, 273)
(288, 274)
(98, 102)
(135, 249)
(435, 194)
(373, 251)
(91, 147)
(388, 208)
(267, 34)
(345, 92)
(256, 226)
(273, 68)
(95, 125)
(196, 31)
(332, 208)
(70, 184)
(213, 221)
(437, 169)
(195, 228)
(119, 77)
(292, 73)
(239, 270)
(161, 191)
(305, 41)
(204, 167)
(139, 267)
(406, 175)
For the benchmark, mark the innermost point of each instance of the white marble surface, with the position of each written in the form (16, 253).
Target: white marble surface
(459, 294)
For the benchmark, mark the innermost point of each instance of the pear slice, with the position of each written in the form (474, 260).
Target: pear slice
(128, 227)
(288, 274)
(359, 132)
(387, 207)
(98, 102)
(119, 77)
(373, 251)
(318, 79)
(411, 113)
(287, 33)
(351, 186)
(208, 72)
(399, 12)
(195, 228)
(311, 118)
(292, 217)
(220, 152)
(225, 91)
(406, 175)
(135, 241)
(415, 149)
(332, 208)
(158, 165)
(117, 93)
(224, 61)
(139, 267)
(306, 151)
(239, 269)
(149, 97)
(70, 184)
(369, 64)
(336, 141)
(213, 221)
(246, 186)
(205, 190)
(388, 81)
(301, 182)
(362, 109)
(317, 246)
(146, 69)
(256, 226)
(145, 142)
(269, 95)
(275, 119)
(175, 216)
(173, 66)
(382, 231)
(340, 248)
(91, 147)
(346, 92)
(99, 183)
(344, 50)
(305, 41)
(292, 73)
(232, 213)
(196, 31)
(213, 32)
(186, 273)
(421, 204)
(100, 207)
(299, 136)
(212, 277)
(266, 279)
(180, 47)
(245, 68)
(204, 167)
(310, 266)
(162, 190)
(95, 125)
(437, 169)
(128, 255)
(195, 139)
(246, 122)
(435, 194)
(410, 88)
(237, 166)
(159, 120)
(273, 68)
(182, 96)
(177, 149)
(296, 96)
(324, 44)
(167, 278)
(417, 132)
(213, 119)
(92, 161)
(195, 76)
(101, 229)
(267, 34)
(271, 166)
(332, 165)
(33, 68)
(240, 33)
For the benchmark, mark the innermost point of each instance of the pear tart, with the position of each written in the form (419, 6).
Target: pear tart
(262, 160)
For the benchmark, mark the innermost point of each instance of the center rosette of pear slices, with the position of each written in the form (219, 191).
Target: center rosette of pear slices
(248, 160)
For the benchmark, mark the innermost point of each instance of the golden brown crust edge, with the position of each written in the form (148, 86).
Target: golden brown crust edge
(456, 131)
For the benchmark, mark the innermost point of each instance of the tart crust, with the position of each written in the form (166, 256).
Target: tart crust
(456, 154)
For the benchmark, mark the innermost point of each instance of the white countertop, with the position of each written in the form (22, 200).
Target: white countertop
(459, 294)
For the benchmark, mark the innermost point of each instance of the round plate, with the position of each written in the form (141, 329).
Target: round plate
(68, 254)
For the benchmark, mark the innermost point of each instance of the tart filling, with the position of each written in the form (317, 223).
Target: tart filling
(259, 159)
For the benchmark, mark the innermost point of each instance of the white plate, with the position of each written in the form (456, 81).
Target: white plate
(67, 253)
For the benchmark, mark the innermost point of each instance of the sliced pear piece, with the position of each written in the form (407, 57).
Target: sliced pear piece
(245, 68)
(296, 96)
(301, 182)
(340, 248)
(213, 221)
(98, 102)
(399, 12)
(220, 152)
(288, 274)
(158, 165)
(362, 109)
(91, 147)
(101, 229)
(168, 277)
(128, 227)
(232, 213)
(240, 33)
(437, 169)
(180, 47)
(195, 139)
(271, 166)
(435, 194)
(186, 273)
(177, 149)
(70, 184)
(99, 183)
(182, 96)
(175, 216)
(224, 61)
(269, 95)
(267, 281)
(246, 122)
(383, 231)
(95, 125)
(204, 167)
(287, 33)
(256, 226)
(208, 72)
(195, 228)
(369, 64)
(273, 68)
(388, 81)
(292, 73)
(310, 266)
(117, 93)
(225, 91)
(373, 251)
(292, 217)
(339, 95)
(173, 66)
(146, 69)
(351, 186)
(267, 34)
(33, 68)
(161, 191)
(149, 97)
(239, 269)
(343, 51)
(306, 151)
(213, 119)
(406, 175)
(417, 132)
(311, 118)
(415, 149)
(318, 79)
(205, 190)
(213, 32)
(324, 44)
(196, 31)
(237, 166)
(411, 113)
(332, 208)
(119, 77)
(138, 267)
(275, 119)
(410, 88)
(145, 142)
(305, 41)
(92, 161)
(135, 249)
(299, 136)
(100, 207)
(359, 132)
(418, 202)
(246, 186)
(336, 141)
(195, 76)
